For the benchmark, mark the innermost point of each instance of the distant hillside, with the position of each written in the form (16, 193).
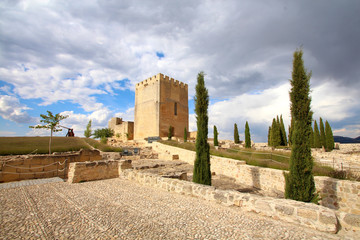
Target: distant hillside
(341, 139)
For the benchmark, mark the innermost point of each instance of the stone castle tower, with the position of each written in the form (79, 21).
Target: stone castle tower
(160, 102)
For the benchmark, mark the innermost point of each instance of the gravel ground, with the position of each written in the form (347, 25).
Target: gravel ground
(121, 209)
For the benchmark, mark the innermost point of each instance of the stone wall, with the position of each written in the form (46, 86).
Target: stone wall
(337, 194)
(97, 170)
(123, 131)
(306, 214)
(23, 167)
(88, 171)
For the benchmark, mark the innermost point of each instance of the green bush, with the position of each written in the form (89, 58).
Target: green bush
(103, 140)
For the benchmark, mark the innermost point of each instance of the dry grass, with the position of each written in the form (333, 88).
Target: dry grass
(40, 145)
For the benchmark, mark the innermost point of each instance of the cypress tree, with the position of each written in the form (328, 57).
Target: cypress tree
(291, 127)
(216, 143)
(185, 135)
(202, 172)
(283, 132)
(275, 134)
(317, 142)
(329, 137)
(236, 134)
(269, 136)
(322, 134)
(300, 181)
(247, 136)
(312, 138)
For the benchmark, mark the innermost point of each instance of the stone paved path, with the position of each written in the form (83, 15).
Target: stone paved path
(30, 182)
(121, 209)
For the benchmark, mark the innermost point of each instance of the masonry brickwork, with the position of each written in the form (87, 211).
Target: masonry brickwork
(122, 130)
(160, 102)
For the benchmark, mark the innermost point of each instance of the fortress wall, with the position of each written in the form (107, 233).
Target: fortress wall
(155, 110)
(147, 108)
(125, 130)
(173, 92)
(342, 195)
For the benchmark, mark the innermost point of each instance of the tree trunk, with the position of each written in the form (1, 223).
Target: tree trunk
(50, 140)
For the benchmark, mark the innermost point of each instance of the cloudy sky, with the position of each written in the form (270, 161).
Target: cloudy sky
(83, 58)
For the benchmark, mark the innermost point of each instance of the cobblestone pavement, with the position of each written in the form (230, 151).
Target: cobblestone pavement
(121, 209)
(30, 182)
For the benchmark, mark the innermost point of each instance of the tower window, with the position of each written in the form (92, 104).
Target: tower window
(175, 109)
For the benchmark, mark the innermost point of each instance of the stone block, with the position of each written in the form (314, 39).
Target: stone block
(287, 210)
(220, 196)
(328, 217)
(307, 213)
(352, 219)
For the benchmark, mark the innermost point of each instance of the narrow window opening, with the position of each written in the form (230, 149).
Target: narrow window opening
(175, 109)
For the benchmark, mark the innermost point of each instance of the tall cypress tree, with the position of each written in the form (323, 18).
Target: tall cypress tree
(216, 143)
(275, 134)
(247, 136)
(236, 134)
(283, 132)
(312, 138)
(202, 173)
(291, 127)
(300, 181)
(322, 134)
(329, 137)
(317, 142)
(269, 136)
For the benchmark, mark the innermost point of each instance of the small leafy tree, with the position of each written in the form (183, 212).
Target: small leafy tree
(51, 122)
(329, 137)
(236, 134)
(185, 135)
(247, 136)
(87, 132)
(103, 132)
(202, 173)
(216, 142)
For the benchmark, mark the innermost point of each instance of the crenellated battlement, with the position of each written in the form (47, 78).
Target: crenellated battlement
(162, 77)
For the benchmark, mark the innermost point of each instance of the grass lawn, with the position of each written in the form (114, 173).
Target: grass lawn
(40, 145)
(268, 159)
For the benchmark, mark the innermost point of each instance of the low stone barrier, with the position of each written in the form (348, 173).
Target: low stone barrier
(341, 195)
(24, 167)
(97, 170)
(306, 214)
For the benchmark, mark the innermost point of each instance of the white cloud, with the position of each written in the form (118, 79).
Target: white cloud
(128, 115)
(11, 109)
(334, 102)
(258, 109)
(75, 50)
(352, 131)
